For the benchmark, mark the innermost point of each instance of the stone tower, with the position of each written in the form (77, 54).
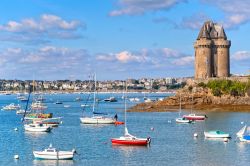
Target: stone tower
(212, 52)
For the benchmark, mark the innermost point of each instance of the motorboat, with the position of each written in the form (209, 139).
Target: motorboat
(11, 107)
(21, 111)
(58, 102)
(66, 106)
(130, 140)
(216, 134)
(85, 105)
(183, 120)
(147, 100)
(135, 99)
(40, 98)
(195, 117)
(37, 127)
(78, 99)
(38, 105)
(54, 154)
(98, 120)
(244, 134)
(22, 98)
(111, 99)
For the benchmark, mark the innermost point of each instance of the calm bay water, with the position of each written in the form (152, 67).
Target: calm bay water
(172, 144)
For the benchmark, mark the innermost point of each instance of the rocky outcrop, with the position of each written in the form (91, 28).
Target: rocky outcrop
(200, 99)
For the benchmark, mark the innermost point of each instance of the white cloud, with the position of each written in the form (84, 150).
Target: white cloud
(236, 11)
(126, 56)
(156, 58)
(133, 7)
(183, 61)
(46, 27)
(241, 55)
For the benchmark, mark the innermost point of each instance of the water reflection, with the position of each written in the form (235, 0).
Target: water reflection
(128, 151)
(53, 162)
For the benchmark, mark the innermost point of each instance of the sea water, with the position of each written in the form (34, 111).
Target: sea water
(172, 144)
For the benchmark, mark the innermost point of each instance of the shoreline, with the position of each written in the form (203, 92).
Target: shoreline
(84, 92)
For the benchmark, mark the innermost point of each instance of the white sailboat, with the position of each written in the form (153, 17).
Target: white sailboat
(128, 139)
(97, 119)
(244, 134)
(181, 119)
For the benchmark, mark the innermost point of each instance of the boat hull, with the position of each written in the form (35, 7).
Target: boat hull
(209, 135)
(37, 129)
(181, 120)
(143, 142)
(61, 155)
(194, 117)
(97, 120)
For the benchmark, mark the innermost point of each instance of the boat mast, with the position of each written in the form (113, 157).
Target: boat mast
(94, 93)
(192, 102)
(125, 106)
(180, 106)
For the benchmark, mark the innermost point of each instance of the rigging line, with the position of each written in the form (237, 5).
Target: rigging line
(84, 108)
(27, 103)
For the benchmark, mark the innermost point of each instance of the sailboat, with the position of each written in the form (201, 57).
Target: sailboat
(182, 119)
(243, 134)
(97, 118)
(129, 139)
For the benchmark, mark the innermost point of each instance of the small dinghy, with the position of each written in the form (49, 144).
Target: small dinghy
(216, 134)
(54, 154)
(183, 120)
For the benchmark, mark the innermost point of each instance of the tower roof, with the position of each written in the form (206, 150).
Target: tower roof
(212, 30)
(222, 34)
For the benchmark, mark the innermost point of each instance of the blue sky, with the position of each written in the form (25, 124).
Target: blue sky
(117, 39)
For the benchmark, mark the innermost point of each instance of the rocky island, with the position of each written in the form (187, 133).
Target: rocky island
(222, 95)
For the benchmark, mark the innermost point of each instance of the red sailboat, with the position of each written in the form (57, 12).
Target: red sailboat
(128, 139)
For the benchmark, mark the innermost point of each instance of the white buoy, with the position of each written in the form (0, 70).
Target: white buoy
(61, 122)
(242, 122)
(152, 129)
(195, 135)
(225, 139)
(16, 156)
(16, 129)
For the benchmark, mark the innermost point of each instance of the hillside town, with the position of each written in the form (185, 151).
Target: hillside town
(143, 84)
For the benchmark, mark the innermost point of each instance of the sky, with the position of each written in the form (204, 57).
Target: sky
(116, 39)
